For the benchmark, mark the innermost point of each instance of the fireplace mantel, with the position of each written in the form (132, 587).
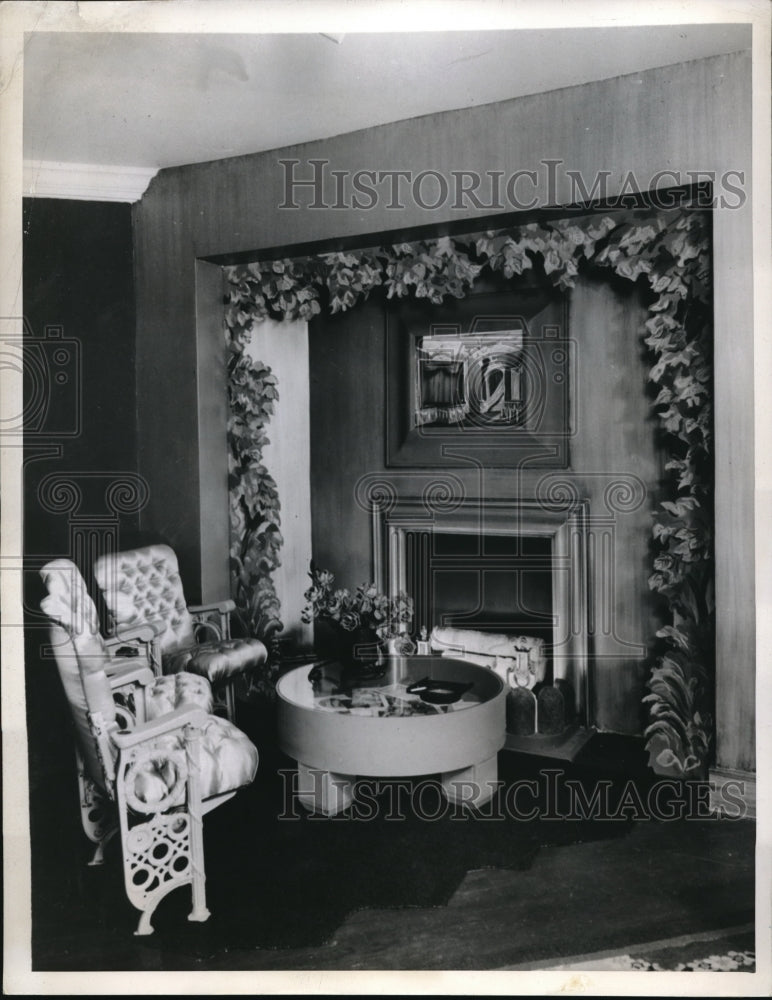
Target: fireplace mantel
(565, 525)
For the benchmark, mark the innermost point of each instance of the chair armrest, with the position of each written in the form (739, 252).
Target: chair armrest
(169, 723)
(140, 639)
(224, 607)
(203, 615)
(143, 637)
(120, 674)
(144, 632)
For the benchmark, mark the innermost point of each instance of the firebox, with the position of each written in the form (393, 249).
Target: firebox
(503, 566)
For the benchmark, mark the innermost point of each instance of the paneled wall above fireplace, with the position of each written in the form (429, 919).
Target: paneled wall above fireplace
(611, 440)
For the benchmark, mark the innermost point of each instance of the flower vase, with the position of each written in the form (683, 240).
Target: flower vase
(360, 652)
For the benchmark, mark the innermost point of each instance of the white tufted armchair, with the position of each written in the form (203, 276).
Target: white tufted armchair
(143, 587)
(149, 767)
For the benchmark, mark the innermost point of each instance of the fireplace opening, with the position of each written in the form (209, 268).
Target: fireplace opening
(489, 583)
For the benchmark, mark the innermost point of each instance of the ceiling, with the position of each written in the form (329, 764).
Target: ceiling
(150, 100)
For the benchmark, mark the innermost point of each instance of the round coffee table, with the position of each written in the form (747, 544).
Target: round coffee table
(337, 733)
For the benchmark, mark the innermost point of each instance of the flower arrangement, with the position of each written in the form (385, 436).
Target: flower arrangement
(365, 608)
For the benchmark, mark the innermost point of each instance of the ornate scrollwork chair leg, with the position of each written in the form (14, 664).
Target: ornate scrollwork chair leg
(97, 813)
(166, 850)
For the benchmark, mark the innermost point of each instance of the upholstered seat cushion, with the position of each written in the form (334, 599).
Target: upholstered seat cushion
(227, 760)
(217, 661)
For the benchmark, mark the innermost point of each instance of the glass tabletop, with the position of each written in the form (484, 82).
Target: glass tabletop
(408, 686)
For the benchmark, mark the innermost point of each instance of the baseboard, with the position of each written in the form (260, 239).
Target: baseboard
(733, 793)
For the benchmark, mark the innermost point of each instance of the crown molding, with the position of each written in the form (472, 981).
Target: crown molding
(85, 181)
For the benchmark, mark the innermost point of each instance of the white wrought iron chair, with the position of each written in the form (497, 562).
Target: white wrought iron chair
(143, 587)
(149, 765)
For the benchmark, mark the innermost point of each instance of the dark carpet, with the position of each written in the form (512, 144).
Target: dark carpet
(280, 879)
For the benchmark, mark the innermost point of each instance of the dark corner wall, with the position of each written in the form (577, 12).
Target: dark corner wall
(80, 407)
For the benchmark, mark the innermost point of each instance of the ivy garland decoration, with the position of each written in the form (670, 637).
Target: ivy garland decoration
(255, 523)
(669, 252)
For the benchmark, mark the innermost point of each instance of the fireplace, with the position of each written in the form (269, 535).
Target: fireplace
(513, 566)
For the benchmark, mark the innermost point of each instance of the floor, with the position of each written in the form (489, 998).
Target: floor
(663, 878)
(642, 888)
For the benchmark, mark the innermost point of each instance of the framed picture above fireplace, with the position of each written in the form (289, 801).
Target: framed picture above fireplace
(472, 379)
(483, 380)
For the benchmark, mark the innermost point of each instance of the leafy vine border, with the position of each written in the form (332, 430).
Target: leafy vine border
(667, 251)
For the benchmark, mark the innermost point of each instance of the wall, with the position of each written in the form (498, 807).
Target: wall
(78, 289)
(612, 440)
(284, 348)
(692, 116)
